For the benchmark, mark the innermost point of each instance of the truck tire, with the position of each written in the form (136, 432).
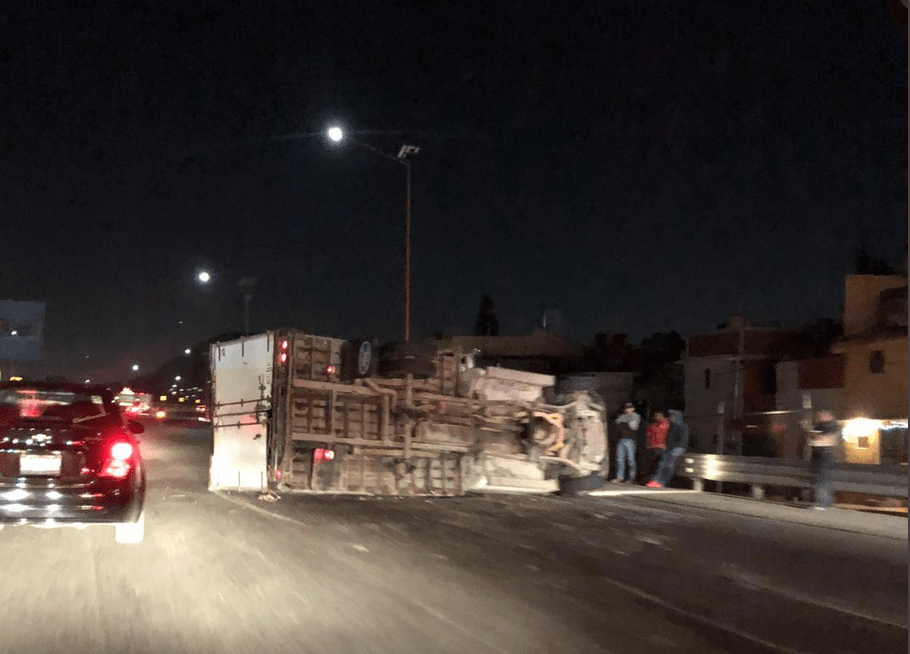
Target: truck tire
(409, 358)
(408, 350)
(550, 396)
(570, 486)
(419, 368)
(576, 383)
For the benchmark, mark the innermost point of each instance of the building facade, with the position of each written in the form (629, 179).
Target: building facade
(729, 375)
(874, 349)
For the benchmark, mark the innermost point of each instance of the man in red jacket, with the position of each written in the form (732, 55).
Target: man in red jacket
(656, 442)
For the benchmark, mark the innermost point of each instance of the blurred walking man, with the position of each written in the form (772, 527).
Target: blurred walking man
(824, 438)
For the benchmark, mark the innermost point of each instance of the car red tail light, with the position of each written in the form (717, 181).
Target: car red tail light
(121, 451)
(119, 460)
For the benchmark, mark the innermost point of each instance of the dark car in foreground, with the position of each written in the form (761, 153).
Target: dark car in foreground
(68, 457)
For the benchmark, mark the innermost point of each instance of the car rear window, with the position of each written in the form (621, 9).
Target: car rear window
(39, 403)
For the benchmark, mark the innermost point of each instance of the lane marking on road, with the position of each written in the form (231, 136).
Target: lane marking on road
(748, 580)
(711, 624)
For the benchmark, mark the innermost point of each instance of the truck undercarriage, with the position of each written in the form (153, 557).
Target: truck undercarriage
(446, 430)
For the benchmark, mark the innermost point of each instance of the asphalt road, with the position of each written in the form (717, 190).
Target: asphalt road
(631, 573)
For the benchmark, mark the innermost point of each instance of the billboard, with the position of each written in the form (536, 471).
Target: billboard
(21, 330)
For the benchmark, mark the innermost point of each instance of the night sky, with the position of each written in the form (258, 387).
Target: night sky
(624, 166)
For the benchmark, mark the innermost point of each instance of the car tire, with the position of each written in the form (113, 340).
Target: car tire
(130, 532)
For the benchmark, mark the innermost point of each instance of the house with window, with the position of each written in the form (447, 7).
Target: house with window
(730, 378)
(803, 387)
(874, 348)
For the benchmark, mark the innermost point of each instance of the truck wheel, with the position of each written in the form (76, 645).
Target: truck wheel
(408, 358)
(573, 485)
(409, 350)
(576, 383)
(359, 358)
(420, 368)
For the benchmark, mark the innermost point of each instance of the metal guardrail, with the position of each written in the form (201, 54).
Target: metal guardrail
(759, 472)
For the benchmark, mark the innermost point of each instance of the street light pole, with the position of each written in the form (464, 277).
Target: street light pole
(336, 134)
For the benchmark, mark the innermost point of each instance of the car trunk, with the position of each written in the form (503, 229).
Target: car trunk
(41, 450)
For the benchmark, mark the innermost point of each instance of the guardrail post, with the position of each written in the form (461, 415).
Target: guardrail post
(758, 492)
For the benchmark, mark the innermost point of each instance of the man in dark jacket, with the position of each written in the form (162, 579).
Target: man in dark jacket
(628, 423)
(677, 444)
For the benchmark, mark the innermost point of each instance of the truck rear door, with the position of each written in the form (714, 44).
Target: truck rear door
(241, 403)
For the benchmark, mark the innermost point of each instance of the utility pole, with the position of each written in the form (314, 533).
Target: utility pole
(737, 392)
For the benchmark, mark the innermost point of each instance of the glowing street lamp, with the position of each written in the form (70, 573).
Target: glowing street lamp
(335, 134)
(135, 367)
(204, 276)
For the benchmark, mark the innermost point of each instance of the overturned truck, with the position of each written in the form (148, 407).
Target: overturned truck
(295, 411)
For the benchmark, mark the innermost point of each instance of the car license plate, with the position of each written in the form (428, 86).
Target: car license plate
(40, 464)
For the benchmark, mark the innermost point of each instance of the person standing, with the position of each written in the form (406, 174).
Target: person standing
(627, 422)
(824, 437)
(655, 442)
(677, 444)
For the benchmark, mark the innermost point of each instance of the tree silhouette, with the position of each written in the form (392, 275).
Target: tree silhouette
(487, 325)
